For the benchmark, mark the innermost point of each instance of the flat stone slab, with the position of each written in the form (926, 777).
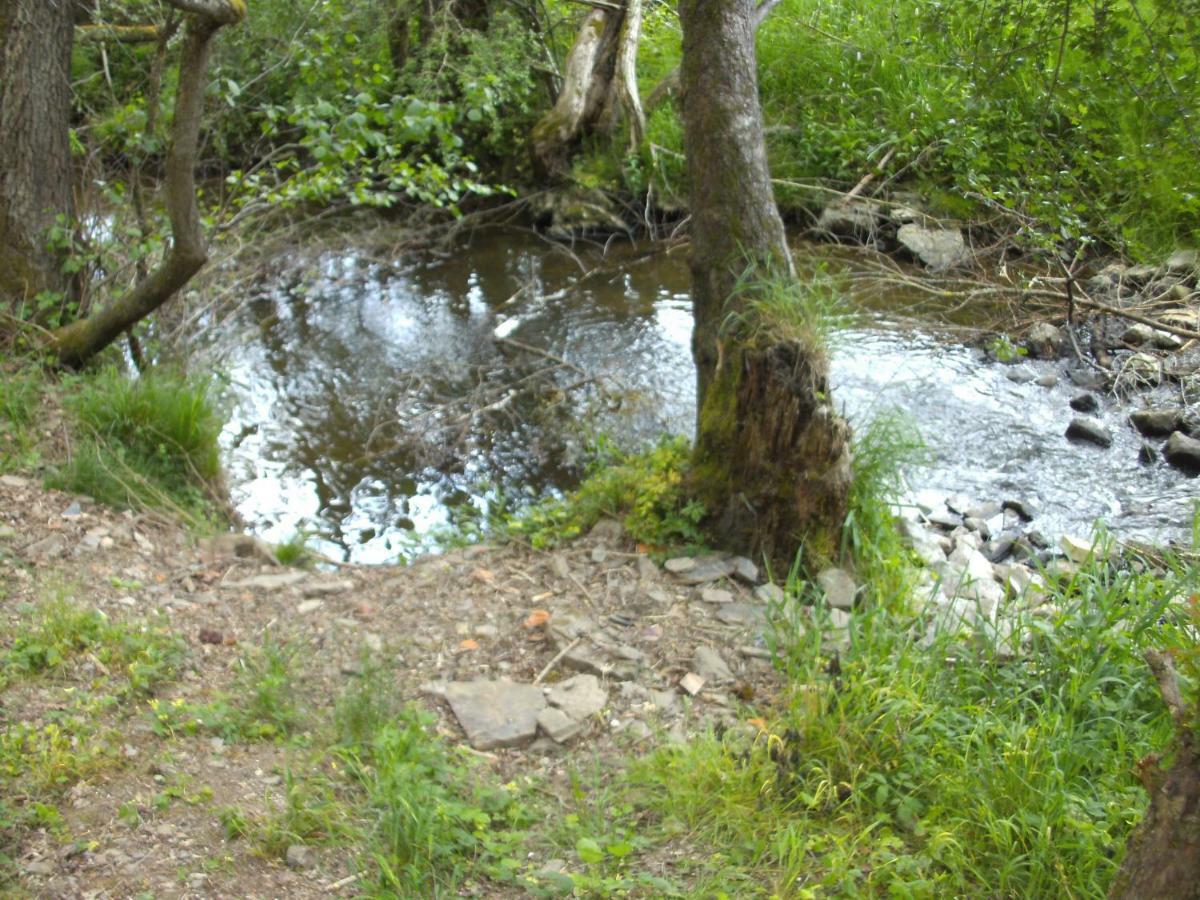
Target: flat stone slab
(706, 569)
(711, 666)
(268, 582)
(579, 696)
(558, 725)
(742, 614)
(496, 713)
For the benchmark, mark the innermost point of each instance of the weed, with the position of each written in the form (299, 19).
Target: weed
(809, 312)
(294, 551)
(647, 491)
(144, 442)
(20, 397)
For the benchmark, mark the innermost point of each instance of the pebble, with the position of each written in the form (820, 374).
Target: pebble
(1085, 402)
(1089, 430)
(300, 857)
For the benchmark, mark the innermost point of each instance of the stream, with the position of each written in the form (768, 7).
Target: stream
(376, 403)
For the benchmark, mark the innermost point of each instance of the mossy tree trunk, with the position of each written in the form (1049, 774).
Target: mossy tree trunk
(771, 461)
(599, 89)
(1162, 859)
(36, 178)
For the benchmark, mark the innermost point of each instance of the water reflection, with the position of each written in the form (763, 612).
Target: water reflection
(372, 403)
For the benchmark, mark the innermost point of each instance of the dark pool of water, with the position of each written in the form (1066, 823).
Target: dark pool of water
(373, 405)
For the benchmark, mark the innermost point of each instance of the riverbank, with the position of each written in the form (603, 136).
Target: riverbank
(189, 718)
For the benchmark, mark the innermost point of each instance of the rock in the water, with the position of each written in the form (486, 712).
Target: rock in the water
(1147, 454)
(579, 696)
(1089, 430)
(1156, 422)
(558, 725)
(1047, 381)
(937, 248)
(1183, 452)
(943, 518)
(1085, 402)
(496, 713)
(838, 587)
(1044, 341)
(857, 219)
(1020, 375)
(709, 665)
(1079, 551)
(1137, 334)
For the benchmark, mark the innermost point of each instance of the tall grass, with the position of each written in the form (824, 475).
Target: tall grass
(20, 396)
(144, 442)
(981, 103)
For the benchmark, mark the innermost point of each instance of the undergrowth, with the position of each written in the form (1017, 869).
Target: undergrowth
(149, 441)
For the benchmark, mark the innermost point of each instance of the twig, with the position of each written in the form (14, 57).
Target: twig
(342, 882)
(554, 662)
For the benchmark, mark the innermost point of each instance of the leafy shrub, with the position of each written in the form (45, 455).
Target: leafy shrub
(647, 491)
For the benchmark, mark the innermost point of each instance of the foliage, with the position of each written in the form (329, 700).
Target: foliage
(948, 769)
(20, 398)
(647, 491)
(811, 312)
(1073, 118)
(148, 441)
(58, 630)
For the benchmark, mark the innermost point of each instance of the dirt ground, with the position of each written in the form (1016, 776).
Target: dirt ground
(146, 823)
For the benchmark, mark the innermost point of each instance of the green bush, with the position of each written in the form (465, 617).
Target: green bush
(148, 441)
(646, 491)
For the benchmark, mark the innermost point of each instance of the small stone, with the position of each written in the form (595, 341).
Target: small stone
(268, 582)
(558, 725)
(769, 593)
(838, 587)
(73, 511)
(1158, 422)
(1183, 452)
(309, 606)
(1085, 402)
(43, 868)
(709, 665)
(979, 526)
(679, 565)
(1147, 454)
(1138, 334)
(664, 701)
(692, 683)
(999, 549)
(1089, 430)
(1078, 550)
(646, 569)
(706, 569)
(1044, 341)
(1047, 381)
(579, 696)
(300, 857)
(327, 588)
(1020, 375)
(715, 595)
(945, 519)
(599, 554)
(741, 614)
(14, 481)
(745, 570)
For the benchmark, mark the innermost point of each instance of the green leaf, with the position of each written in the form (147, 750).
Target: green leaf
(589, 851)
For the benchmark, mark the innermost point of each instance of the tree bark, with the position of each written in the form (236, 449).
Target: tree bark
(36, 177)
(1162, 858)
(599, 83)
(771, 458)
(77, 342)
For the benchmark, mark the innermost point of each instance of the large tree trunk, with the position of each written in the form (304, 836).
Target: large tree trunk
(599, 84)
(35, 153)
(1162, 859)
(771, 460)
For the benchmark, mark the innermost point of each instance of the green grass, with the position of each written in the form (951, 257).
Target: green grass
(140, 442)
(20, 398)
(978, 109)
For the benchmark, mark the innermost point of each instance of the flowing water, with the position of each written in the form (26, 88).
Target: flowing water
(375, 403)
